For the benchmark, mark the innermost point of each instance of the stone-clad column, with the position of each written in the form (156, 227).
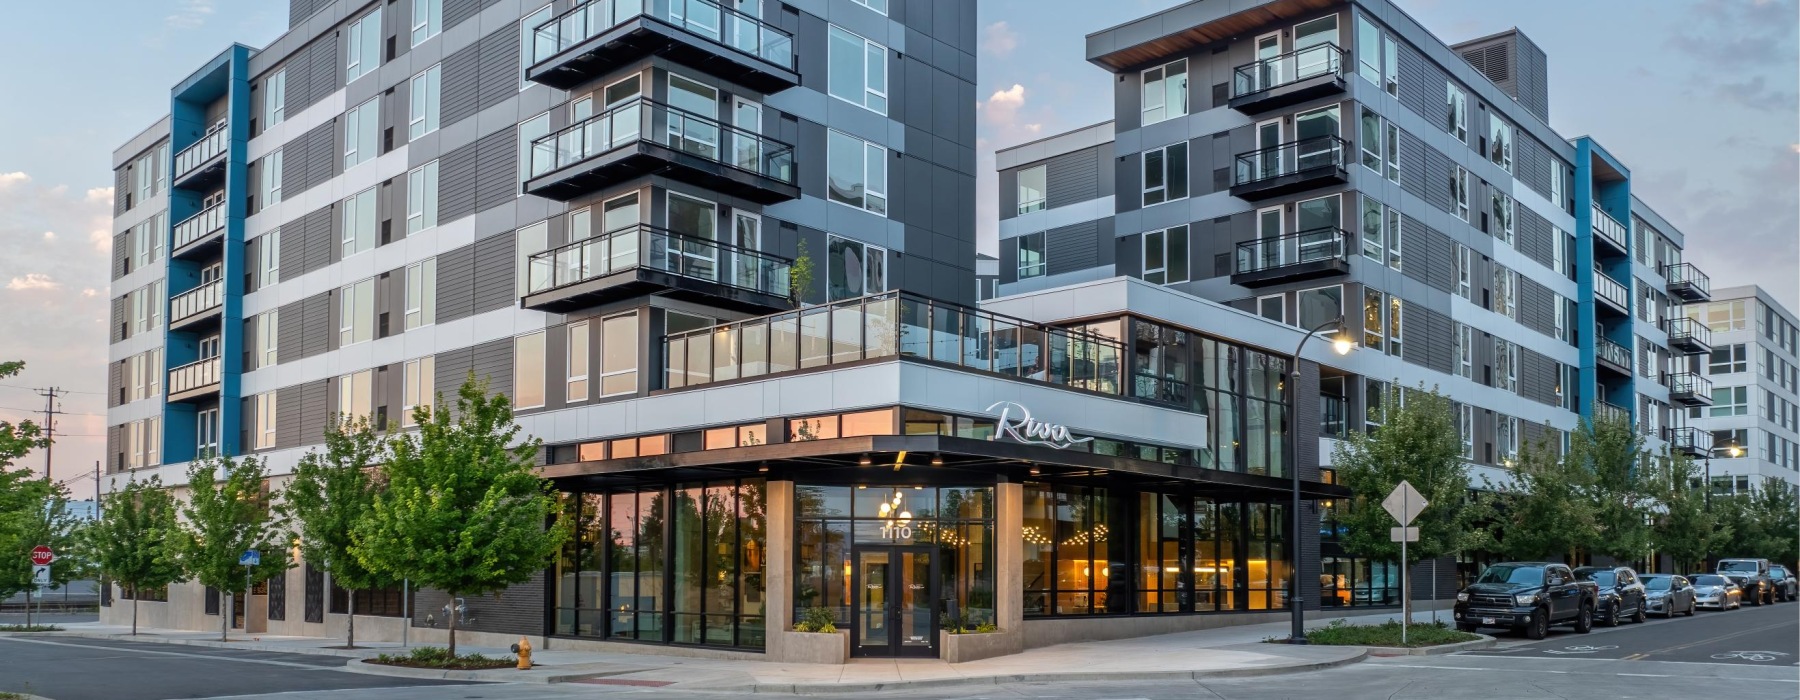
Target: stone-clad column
(778, 569)
(1009, 557)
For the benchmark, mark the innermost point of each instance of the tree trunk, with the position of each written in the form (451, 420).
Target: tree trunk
(225, 618)
(134, 603)
(452, 625)
(351, 641)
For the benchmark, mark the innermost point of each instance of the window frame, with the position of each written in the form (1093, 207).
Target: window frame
(423, 114)
(869, 48)
(422, 193)
(266, 415)
(275, 99)
(422, 311)
(433, 23)
(1041, 266)
(1166, 252)
(268, 338)
(1043, 196)
(869, 194)
(1168, 170)
(607, 329)
(354, 239)
(352, 327)
(1504, 217)
(572, 358)
(1459, 192)
(355, 119)
(417, 388)
(1457, 102)
(1463, 341)
(271, 177)
(350, 399)
(359, 42)
(521, 367)
(1500, 150)
(1144, 84)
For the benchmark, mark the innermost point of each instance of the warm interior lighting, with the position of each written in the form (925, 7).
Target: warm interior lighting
(864, 461)
(937, 460)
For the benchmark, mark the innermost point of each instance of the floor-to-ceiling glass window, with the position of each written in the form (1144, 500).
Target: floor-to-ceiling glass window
(954, 523)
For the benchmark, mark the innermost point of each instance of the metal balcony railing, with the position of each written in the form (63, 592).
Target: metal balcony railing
(1292, 249)
(648, 247)
(196, 301)
(647, 120)
(721, 25)
(893, 324)
(1290, 158)
(194, 375)
(202, 151)
(1684, 277)
(1332, 416)
(1688, 439)
(210, 220)
(1611, 290)
(1604, 410)
(1613, 352)
(1286, 69)
(1688, 383)
(1682, 329)
(1610, 229)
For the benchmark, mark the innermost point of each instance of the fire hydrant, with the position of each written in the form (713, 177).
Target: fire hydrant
(523, 649)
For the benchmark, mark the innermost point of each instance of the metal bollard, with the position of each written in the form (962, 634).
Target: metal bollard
(523, 649)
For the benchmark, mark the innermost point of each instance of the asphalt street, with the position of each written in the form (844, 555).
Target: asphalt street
(1765, 636)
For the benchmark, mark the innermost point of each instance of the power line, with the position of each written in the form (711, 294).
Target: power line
(60, 391)
(39, 410)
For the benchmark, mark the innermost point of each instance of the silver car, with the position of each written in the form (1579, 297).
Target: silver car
(1668, 594)
(1715, 591)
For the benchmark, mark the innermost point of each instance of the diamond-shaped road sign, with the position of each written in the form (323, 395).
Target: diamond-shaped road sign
(1404, 503)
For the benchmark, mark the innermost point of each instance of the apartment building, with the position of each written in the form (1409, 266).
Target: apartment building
(1754, 387)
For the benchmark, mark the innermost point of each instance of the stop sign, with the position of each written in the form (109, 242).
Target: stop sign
(42, 556)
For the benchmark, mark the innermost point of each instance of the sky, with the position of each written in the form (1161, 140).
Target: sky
(1696, 97)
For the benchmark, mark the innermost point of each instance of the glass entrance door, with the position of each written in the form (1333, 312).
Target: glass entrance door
(895, 589)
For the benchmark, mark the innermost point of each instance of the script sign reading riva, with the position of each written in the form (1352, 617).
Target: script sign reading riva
(1016, 422)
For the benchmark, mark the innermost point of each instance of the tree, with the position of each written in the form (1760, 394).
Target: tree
(1686, 529)
(1544, 513)
(800, 275)
(1619, 486)
(227, 514)
(464, 510)
(1418, 443)
(136, 541)
(1766, 522)
(22, 498)
(330, 494)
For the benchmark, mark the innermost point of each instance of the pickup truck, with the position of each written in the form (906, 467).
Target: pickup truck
(1528, 597)
(1752, 575)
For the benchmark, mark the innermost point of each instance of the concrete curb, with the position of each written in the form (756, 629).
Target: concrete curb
(1357, 655)
(245, 645)
(1483, 643)
(493, 675)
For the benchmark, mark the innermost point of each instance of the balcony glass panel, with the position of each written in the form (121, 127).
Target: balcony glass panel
(1610, 411)
(1292, 249)
(684, 131)
(644, 246)
(721, 25)
(1609, 228)
(1690, 383)
(1611, 290)
(1613, 352)
(1683, 329)
(1687, 274)
(202, 151)
(194, 375)
(1292, 67)
(209, 221)
(198, 300)
(1289, 158)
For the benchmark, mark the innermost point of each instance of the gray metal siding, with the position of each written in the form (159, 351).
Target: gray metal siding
(1535, 237)
(457, 182)
(1423, 87)
(451, 368)
(118, 319)
(1072, 248)
(1537, 377)
(457, 101)
(315, 320)
(1414, 175)
(1072, 177)
(1437, 171)
(121, 255)
(291, 333)
(315, 408)
(121, 190)
(1533, 163)
(499, 71)
(493, 361)
(1436, 340)
(288, 412)
(456, 284)
(493, 273)
(1537, 306)
(321, 239)
(497, 173)
(1430, 255)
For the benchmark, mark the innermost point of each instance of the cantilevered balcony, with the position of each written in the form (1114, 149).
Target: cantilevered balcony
(643, 137)
(1688, 336)
(1608, 411)
(201, 165)
(201, 234)
(599, 36)
(194, 380)
(1688, 283)
(1609, 231)
(1288, 79)
(1295, 166)
(197, 306)
(1610, 293)
(1688, 440)
(1296, 257)
(641, 260)
(1612, 356)
(1689, 389)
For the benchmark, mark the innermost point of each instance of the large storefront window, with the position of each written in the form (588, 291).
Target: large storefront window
(955, 524)
(682, 565)
(1239, 389)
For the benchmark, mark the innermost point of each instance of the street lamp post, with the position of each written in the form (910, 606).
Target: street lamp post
(1342, 344)
(1735, 451)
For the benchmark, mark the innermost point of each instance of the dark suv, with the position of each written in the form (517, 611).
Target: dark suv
(1528, 597)
(1751, 575)
(1786, 587)
(1621, 594)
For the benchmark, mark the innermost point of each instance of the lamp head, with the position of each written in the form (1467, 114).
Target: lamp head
(1341, 342)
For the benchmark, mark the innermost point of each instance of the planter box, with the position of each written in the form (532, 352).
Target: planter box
(814, 647)
(958, 648)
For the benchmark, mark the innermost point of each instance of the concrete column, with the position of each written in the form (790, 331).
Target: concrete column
(778, 568)
(1009, 557)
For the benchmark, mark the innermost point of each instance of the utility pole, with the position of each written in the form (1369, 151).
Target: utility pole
(50, 412)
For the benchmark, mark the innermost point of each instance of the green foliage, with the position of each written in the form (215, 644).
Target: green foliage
(1620, 487)
(800, 275)
(330, 495)
(28, 628)
(1763, 522)
(22, 498)
(136, 542)
(464, 509)
(1417, 443)
(1685, 529)
(1544, 513)
(228, 513)
(439, 657)
(816, 619)
(1386, 634)
(42, 517)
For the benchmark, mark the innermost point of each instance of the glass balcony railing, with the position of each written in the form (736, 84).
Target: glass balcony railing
(1689, 383)
(1610, 229)
(209, 221)
(721, 25)
(1292, 249)
(1687, 280)
(1688, 439)
(194, 375)
(893, 324)
(1606, 411)
(651, 248)
(1611, 290)
(1286, 69)
(196, 301)
(1332, 413)
(202, 151)
(1613, 352)
(1289, 158)
(647, 120)
(1683, 330)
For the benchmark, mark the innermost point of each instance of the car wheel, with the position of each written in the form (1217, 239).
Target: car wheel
(1584, 620)
(1691, 606)
(1639, 616)
(1612, 615)
(1539, 627)
(1756, 599)
(1466, 628)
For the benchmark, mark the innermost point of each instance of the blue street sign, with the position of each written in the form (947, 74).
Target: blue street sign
(250, 558)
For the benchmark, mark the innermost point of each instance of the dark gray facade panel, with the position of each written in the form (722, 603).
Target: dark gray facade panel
(121, 255)
(1532, 163)
(456, 284)
(118, 319)
(451, 368)
(460, 93)
(325, 68)
(288, 410)
(497, 169)
(493, 361)
(1533, 77)
(1538, 380)
(1415, 177)
(1534, 235)
(457, 183)
(1537, 306)
(291, 333)
(320, 157)
(455, 11)
(315, 321)
(1072, 177)
(494, 287)
(1437, 171)
(121, 190)
(315, 409)
(320, 241)
(499, 67)
(114, 382)
(1425, 87)
(1072, 248)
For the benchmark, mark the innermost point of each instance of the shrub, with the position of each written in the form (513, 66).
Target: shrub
(817, 620)
(439, 657)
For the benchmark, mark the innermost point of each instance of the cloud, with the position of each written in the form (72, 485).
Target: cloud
(999, 39)
(1002, 108)
(11, 179)
(191, 15)
(1732, 34)
(1755, 94)
(49, 235)
(32, 281)
(1752, 208)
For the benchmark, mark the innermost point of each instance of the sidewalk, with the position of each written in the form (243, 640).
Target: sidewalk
(1224, 652)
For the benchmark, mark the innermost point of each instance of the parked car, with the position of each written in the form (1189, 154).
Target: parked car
(1668, 594)
(1621, 595)
(1752, 575)
(1715, 591)
(1786, 586)
(1528, 597)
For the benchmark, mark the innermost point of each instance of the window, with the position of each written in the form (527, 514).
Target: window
(1272, 307)
(1506, 442)
(576, 388)
(268, 253)
(1459, 193)
(1165, 92)
(1500, 142)
(1506, 365)
(1166, 256)
(421, 294)
(1374, 236)
(534, 47)
(1728, 359)
(1730, 401)
(206, 430)
(1724, 316)
(356, 398)
(360, 127)
(271, 178)
(162, 168)
(1458, 103)
(1506, 283)
(1371, 140)
(1390, 65)
(268, 338)
(876, 5)
(356, 312)
(418, 391)
(425, 98)
(854, 268)
(359, 223)
(1465, 265)
(528, 370)
(275, 99)
(1032, 184)
(265, 420)
(1556, 184)
(364, 44)
(1368, 50)
(1563, 317)
(427, 20)
(1166, 174)
(1374, 321)
(534, 239)
(1031, 255)
(1393, 152)
(858, 70)
(146, 177)
(618, 355)
(1503, 217)
(422, 198)
(1466, 429)
(856, 172)
(1395, 344)
(143, 236)
(1318, 306)
(1464, 339)
(531, 129)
